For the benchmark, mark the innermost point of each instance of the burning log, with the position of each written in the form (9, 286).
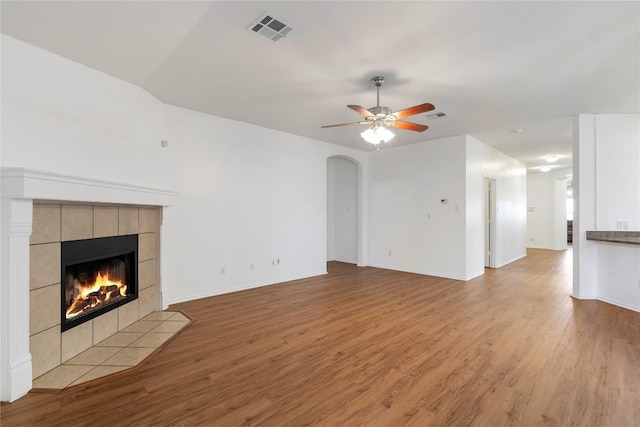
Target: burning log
(95, 294)
(111, 290)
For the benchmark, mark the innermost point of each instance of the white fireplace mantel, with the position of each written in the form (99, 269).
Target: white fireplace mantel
(21, 183)
(19, 188)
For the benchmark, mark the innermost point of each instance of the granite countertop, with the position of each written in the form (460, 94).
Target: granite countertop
(630, 237)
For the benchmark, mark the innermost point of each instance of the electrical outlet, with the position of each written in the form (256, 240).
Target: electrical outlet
(223, 270)
(622, 224)
(277, 260)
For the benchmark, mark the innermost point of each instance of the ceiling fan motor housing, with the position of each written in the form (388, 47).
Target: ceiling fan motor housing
(378, 80)
(380, 111)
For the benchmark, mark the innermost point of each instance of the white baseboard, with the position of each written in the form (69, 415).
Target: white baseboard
(511, 260)
(620, 304)
(584, 296)
(241, 288)
(19, 382)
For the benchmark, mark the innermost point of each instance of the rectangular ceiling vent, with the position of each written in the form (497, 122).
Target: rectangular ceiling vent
(436, 115)
(270, 27)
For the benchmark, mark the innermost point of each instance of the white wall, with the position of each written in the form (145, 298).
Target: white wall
(247, 195)
(59, 116)
(410, 230)
(342, 210)
(617, 170)
(428, 237)
(510, 220)
(606, 163)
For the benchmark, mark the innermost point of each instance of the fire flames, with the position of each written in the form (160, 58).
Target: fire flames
(91, 295)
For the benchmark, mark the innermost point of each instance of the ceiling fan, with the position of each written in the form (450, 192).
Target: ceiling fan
(381, 118)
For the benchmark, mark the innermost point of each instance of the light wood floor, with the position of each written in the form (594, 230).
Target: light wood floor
(372, 347)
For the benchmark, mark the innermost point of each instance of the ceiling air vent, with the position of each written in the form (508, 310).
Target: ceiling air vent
(270, 27)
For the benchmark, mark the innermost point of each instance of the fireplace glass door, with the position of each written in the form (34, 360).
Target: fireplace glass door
(98, 275)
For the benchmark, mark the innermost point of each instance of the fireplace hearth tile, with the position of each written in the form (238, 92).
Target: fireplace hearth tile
(142, 326)
(152, 339)
(93, 356)
(170, 326)
(129, 356)
(119, 352)
(121, 339)
(44, 265)
(44, 311)
(105, 326)
(127, 220)
(61, 377)
(177, 316)
(147, 220)
(46, 223)
(45, 351)
(77, 222)
(160, 315)
(146, 246)
(147, 298)
(127, 314)
(146, 274)
(105, 221)
(99, 371)
(76, 340)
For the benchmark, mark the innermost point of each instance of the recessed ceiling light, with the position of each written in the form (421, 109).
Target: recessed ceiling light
(552, 159)
(545, 168)
(516, 130)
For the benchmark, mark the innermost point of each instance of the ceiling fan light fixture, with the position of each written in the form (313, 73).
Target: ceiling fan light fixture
(380, 117)
(377, 134)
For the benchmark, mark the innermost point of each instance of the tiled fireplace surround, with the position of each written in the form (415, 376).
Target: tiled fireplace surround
(53, 223)
(39, 210)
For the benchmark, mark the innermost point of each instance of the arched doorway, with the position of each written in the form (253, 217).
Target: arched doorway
(343, 210)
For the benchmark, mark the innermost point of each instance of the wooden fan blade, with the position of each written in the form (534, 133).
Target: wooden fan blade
(422, 108)
(346, 124)
(410, 126)
(360, 110)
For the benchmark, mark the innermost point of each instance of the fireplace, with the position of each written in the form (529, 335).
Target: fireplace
(97, 276)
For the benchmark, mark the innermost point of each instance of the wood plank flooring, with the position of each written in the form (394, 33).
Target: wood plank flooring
(373, 347)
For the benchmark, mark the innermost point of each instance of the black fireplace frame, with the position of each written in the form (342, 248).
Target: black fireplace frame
(75, 252)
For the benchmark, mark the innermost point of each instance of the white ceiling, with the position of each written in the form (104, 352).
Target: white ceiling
(491, 66)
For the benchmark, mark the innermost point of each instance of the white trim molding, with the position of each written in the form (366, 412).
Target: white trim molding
(21, 183)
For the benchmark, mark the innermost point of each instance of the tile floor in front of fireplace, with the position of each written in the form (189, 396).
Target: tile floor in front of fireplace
(121, 351)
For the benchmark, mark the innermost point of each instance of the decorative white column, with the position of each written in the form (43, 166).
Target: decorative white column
(584, 197)
(15, 358)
